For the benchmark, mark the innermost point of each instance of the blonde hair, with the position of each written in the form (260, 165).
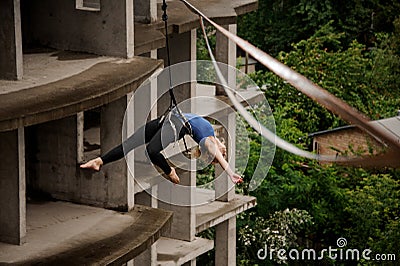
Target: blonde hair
(197, 151)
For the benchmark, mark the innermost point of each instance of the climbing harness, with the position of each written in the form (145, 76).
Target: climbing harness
(173, 108)
(304, 85)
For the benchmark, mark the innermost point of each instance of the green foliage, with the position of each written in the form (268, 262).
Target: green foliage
(277, 24)
(372, 212)
(279, 231)
(360, 205)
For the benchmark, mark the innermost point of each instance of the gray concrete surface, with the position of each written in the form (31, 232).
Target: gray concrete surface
(98, 85)
(216, 212)
(60, 232)
(173, 252)
(180, 20)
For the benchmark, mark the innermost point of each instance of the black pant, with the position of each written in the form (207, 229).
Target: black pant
(157, 134)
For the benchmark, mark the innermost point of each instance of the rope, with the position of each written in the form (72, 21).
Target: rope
(301, 83)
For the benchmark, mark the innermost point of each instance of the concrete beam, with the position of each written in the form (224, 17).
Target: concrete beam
(11, 63)
(12, 187)
(177, 252)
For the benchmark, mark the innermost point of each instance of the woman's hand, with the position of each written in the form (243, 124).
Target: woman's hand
(236, 179)
(94, 164)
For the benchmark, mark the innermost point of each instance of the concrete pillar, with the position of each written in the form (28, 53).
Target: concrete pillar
(224, 187)
(182, 49)
(181, 200)
(12, 187)
(145, 11)
(148, 257)
(225, 232)
(120, 183)
(146, 109)
(225, 243)
(226, 53)
(190, 263)
(11, 62)
(144, 103)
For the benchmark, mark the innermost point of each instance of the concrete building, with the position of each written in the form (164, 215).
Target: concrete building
(67, 72)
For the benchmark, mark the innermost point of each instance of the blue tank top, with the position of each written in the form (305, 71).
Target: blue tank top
(201, 128)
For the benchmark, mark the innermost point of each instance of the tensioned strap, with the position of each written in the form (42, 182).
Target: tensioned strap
(173, 103)
(304, 85)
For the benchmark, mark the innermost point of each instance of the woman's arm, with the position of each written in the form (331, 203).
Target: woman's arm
(212, 146)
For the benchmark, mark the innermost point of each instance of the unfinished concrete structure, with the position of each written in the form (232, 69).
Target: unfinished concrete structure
(67, 71)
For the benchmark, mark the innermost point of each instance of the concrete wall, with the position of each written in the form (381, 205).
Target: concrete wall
(10, 40)
(60, 25)
(342, 140)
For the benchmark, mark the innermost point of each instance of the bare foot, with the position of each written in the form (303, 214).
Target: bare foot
(236, 179)
(173, 176)
(93, 164)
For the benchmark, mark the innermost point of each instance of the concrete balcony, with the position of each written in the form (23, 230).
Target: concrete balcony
(59, 84)
(216, 212)
(59, 233)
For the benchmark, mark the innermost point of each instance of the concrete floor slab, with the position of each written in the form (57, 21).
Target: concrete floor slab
(61, 232)
(177, 252)
(49, 66)
(36, 101)
(216, 212)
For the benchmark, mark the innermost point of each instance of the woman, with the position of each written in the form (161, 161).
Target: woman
(158, 133)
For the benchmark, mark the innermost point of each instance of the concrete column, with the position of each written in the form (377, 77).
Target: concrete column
(12, 187)
(146, 109)
(226, 53)
(148, 257)
(145, 11)
(144, 103)
(190, 263)
(225, 232)
(224, 187)
(182, 49)
(225, 243)
(181, 200)
(11, 63)
(181, 197)
(120, 185)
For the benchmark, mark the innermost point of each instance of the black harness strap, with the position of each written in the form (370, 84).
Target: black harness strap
(173, 102)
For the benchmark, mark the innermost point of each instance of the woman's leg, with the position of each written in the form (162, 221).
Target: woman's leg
(141, 136)
(163, 137)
